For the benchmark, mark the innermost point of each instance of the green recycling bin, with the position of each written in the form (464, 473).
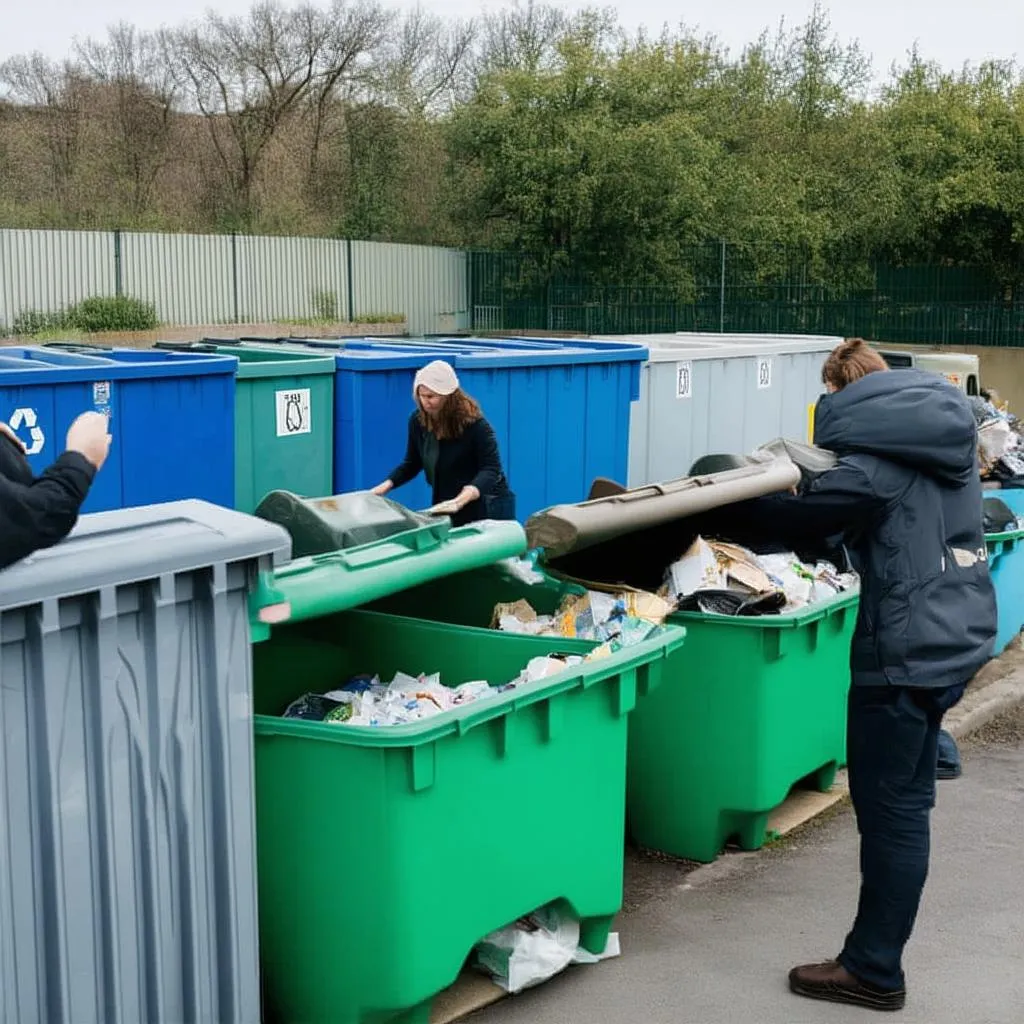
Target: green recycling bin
(386, 854)
(749, 706)
(284, 420)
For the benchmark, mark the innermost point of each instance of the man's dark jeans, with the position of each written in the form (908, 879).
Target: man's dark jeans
(892, 741)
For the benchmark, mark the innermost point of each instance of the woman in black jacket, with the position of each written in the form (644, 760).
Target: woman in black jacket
(452, 443)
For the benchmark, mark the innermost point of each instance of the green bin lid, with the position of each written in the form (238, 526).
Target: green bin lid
(321, 584)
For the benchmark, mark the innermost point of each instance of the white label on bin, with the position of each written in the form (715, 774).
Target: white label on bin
(764, 373)
(293, 413)
(101, 397)
(684, 380)
(27, 418)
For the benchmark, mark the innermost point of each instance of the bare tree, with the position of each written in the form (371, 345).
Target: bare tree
(522, 36)
(133, 68)
(247, 76)
(350, 34)
(50, 93)
(425, 67)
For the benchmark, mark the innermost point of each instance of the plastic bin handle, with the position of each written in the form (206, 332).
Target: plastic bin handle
(415, 542)
(185, 346)
(81, 347)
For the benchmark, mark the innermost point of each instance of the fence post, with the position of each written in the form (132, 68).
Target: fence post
(350, 290)
(234, 274)
(721, 294)
(118, 280)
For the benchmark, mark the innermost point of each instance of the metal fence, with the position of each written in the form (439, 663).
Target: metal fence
(741, 289)
(212, 279)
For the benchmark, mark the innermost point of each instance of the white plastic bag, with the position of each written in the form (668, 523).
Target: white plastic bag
(535, 949)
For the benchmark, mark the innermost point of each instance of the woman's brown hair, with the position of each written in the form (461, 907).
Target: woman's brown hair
(850, 361)
(458, 412)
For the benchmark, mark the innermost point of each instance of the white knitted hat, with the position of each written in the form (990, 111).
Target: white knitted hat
(438, 377)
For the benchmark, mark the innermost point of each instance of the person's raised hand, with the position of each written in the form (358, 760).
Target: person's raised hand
(89, 435)
(5, 429)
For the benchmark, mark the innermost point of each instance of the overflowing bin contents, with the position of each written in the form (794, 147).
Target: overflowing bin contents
(366, 701)
(752, 703)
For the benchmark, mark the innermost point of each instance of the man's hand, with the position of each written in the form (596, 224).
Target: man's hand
(89, 436)
(12, 436)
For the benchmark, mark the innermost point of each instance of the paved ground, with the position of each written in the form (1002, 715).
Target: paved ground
(713, 947)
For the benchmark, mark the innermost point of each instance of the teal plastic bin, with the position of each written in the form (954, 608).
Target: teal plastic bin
(284, 420)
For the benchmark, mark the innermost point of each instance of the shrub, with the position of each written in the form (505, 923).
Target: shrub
(99, 313)
(35, 321)
(325, 306)
(113, 313)
(380, 318)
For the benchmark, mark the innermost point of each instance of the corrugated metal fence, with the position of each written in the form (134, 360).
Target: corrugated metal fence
(210, 279)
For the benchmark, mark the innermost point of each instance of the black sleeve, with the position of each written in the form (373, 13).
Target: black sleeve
(835, 503)
(488, 460)
(411, 466)
(41, 513)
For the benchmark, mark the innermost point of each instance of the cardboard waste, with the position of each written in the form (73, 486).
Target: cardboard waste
(614, 620)
(722, 578)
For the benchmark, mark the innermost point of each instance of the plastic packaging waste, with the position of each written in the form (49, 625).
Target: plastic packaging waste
(535, 949)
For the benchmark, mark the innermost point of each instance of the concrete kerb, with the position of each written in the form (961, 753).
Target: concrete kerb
(998, 688)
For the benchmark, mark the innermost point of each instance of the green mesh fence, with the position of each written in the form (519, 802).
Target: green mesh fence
(741, 289)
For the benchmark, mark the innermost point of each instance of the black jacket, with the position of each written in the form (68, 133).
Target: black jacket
(907, 495)
(37, 512)
(453, 464)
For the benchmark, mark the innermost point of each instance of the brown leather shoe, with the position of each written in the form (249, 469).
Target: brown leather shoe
(833, 983)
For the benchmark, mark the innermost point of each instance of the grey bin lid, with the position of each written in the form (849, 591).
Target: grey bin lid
(338, 522)
(565, 529)
(112, 548)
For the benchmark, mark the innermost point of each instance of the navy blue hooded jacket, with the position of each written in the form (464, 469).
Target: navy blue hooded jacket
(906, 495)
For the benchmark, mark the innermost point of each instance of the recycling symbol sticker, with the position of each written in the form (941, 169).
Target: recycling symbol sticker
(27, 418)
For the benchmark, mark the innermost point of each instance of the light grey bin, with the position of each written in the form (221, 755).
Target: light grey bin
(127, 865)
(704, 394)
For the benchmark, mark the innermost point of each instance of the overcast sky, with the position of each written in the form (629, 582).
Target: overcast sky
(948, 31)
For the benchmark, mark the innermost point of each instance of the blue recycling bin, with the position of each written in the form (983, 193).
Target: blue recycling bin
(1006, 563)
(172, 418)
(560, 409)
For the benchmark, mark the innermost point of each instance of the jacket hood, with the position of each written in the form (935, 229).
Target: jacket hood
(912, 417)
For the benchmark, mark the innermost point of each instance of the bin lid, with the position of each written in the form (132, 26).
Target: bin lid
(317, 585)
(695, 346)
(126, 545)
(564, 529)
(38, 365)
(318, 526)
(254, 361)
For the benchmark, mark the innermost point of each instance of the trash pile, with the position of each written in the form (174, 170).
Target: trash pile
(536, 948)
(366, 701)
(615, 621)
(726, 579)
(1000, 440)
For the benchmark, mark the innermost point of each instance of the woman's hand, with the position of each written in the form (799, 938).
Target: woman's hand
(381, 489)
(445, 508)
(456, 505)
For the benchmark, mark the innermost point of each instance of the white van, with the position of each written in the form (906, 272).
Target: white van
(959, 368)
